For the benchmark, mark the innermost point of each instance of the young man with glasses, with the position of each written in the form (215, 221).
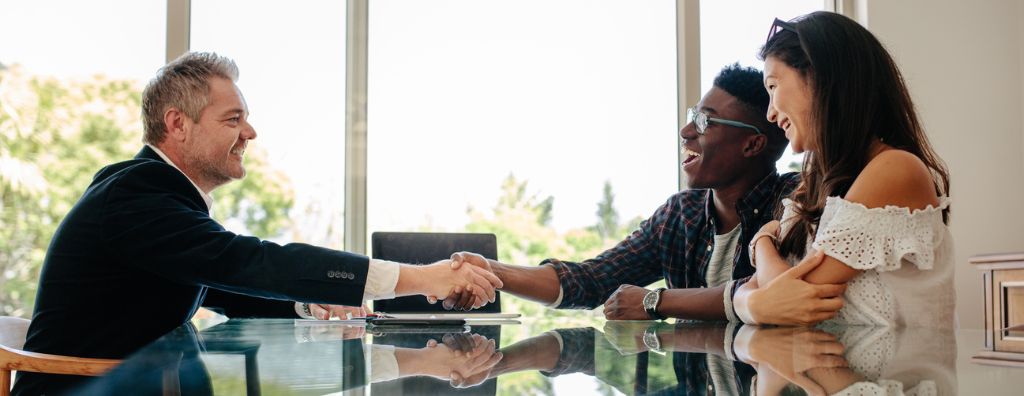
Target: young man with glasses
(697, 241)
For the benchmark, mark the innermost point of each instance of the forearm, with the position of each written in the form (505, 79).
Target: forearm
(411, 362)
(769, 263)
(700, 340)
(701, 304)
(538, 284)
(537, 353)
(410, 280)
(834, 379)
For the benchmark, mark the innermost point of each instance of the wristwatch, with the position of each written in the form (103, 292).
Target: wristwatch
(651, 339)
(651, 303)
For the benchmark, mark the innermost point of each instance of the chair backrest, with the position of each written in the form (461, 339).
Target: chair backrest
(13, 331)
(426, 248)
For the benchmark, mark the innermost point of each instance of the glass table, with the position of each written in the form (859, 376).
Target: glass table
(578, 355)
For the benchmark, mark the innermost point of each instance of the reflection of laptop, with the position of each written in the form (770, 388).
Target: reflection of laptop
(426, 248)
(473, 318)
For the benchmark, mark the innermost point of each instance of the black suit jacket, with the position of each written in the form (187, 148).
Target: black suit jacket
(133, 258)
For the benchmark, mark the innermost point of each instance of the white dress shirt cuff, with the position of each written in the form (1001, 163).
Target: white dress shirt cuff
(298, 311)
(381, 280)
(383, 364)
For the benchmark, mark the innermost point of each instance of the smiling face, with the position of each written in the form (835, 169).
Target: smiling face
(716, 159)
(215, 145)
(790, 106)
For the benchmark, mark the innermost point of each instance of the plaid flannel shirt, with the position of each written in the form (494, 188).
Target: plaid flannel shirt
(675, 244)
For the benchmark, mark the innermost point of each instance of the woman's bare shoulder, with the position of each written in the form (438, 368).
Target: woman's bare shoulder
(894, 177)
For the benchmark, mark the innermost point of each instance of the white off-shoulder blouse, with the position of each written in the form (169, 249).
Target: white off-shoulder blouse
(906, 259)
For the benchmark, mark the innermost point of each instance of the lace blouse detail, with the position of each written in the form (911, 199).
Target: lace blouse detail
(895, 247)
(880, 238)
(889, 388)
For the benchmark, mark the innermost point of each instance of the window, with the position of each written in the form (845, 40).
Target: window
(292, 73)
(70, 80)
(520, 118)
(728, 37)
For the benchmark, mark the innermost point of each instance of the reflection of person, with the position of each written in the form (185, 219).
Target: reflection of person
(697, 240)
(872, 196)
(699, 359)
(850, 360)
(788, 355)
(242, 306)
(142, 235)
(459, 360)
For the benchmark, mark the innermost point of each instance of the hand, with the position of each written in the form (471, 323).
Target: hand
(468, 359)
(328, 332)
(459, 299)
(626, 303)
(442, 280)
(327, 311)
(627, 337)
(789, 300)
(790, 352)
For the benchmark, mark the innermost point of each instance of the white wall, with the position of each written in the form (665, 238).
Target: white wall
(963, 62)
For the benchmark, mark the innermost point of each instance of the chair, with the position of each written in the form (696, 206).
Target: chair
(13, 331)
(426, 248)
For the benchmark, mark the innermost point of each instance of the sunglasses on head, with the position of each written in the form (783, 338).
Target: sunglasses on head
(778, 26)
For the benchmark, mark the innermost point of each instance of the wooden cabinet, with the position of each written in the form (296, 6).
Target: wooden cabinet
(1003, 277)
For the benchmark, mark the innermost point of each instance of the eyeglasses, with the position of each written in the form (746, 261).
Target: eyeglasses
(701, 120)
(778, 26)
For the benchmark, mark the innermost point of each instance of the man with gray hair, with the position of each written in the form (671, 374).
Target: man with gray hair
(141, 238)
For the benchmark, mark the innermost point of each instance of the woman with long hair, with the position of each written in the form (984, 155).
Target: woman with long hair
(873, 203)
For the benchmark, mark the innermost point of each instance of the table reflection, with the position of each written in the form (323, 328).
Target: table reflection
(629, 357)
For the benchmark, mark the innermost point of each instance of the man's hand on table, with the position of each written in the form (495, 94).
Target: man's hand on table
(627, 337)
(327, 311)
(626, 303)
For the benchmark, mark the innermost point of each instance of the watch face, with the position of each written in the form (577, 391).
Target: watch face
(651, 340)
(648, 300)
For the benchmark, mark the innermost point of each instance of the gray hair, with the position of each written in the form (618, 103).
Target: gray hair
(182, 84)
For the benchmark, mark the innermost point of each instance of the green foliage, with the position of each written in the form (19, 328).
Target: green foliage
(520, 222)
(607, 216)
(54, 136)
(261, 201)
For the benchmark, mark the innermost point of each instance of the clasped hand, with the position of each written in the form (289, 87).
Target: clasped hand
(789, 353)
(464, 359)
(461, 299)
(470, 283)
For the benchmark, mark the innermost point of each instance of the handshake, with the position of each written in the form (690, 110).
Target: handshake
(459, 286)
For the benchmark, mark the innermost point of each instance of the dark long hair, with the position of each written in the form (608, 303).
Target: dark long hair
(858, 95)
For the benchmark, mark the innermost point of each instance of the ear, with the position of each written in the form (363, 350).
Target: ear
(176, 122)
(754, 145)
